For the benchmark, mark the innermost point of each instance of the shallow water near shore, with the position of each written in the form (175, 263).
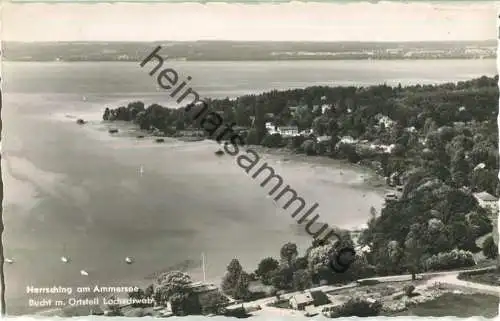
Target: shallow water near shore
(78, 191)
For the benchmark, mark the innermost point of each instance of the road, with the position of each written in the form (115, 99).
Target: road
(407, 277)
(446, 277)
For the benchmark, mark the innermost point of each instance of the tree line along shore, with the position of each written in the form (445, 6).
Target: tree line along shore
(437, 143)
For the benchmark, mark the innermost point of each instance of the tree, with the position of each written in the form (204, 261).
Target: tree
(348, 151)
(235, 282)
(234, 267)
(105, 116)
(408, 290)
(241, 291)
(301, 280)
(272, 141)
(289, 253)
(436, 236)
(300, 263)
(149, 292)
(490, 249)
(309, 147)
(319, 257)
(252, 138)
(260, 125)
(282, 278)
(459, 169)
(242, 116)
(414, 249)
(212, 302)
(174, 288)
(265, 267)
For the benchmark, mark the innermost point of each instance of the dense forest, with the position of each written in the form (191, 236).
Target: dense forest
(444, 142)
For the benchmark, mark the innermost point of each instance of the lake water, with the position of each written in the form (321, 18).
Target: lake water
(76, 191)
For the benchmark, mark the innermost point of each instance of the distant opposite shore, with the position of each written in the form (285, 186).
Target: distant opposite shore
(249, 50)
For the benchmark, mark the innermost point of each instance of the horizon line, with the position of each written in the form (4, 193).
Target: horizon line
(274, 41)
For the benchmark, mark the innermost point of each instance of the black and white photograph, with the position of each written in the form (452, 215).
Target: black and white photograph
(289, 160)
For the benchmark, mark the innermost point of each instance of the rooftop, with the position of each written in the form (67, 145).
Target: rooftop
(202, 287)
(485, 196)
(318, 297)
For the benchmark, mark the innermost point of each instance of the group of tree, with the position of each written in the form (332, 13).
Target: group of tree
(175, 288)
(430, 221)
(445, 147)
(292, 272)
(235, 282)
(455, 120)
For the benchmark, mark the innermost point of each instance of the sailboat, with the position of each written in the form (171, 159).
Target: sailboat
(203, 266)
(64, 259)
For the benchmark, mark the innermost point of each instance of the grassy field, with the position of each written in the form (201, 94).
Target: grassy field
(457, 305)
(489, 278)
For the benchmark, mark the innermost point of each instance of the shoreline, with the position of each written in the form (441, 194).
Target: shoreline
(363, 177)
(374, 180)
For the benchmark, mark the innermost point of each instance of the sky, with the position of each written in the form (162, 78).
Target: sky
(294, 21)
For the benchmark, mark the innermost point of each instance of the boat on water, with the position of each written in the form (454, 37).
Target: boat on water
(64, 258)
(83, 272)
(129, 260)
(10, 261)
(219, 152)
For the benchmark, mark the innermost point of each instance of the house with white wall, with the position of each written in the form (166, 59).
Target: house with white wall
(285, 131)
(487, 201)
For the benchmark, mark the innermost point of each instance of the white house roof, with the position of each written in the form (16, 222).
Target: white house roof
(480, 166)
(324, 138)
(202, 287)
(303, 298)
(485, 196)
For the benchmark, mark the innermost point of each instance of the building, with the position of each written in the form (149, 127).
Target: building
(294, 109)
(192, 132)
(208, 296)
(269, 116)
(271, 128)
(382, 119)
(382, 148)
(479, 166)
(321, 139)
(348, 140)
(306, 132)
(487, 201)
(288, 131)
(315, 298)
(285, 131)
